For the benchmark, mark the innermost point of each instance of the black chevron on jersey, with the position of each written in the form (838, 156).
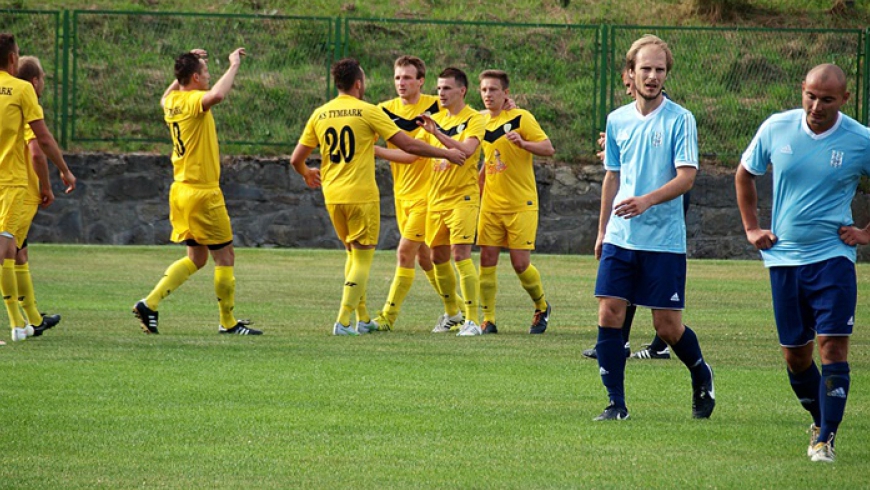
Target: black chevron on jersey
(454, 130)
(492, 136)
(409, 124)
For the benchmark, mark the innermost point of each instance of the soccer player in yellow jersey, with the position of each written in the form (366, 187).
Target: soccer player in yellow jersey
(346, 129)
(454, 199)
(39, 193)
(196, 204)
(18, 108)
(509, 208)
(410, 185)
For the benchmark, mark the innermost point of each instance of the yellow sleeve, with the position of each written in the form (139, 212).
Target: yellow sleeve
(30, 105)
(309, 134)
(530, 130)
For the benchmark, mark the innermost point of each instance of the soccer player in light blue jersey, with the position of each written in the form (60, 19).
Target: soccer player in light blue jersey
(817, 155)
(651, 160)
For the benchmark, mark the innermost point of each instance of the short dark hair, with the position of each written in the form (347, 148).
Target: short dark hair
(185, 66)
(29, 68)
(498, 75)
(345, 73)
(456, 74)
(414, 61)
(7, 46)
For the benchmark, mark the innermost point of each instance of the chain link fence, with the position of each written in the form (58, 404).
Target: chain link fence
(567, 75)
(123, 62)
(733, 79)
(38, 33)
(551, 67)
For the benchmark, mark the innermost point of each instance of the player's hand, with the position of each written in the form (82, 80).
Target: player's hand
(46, 196)
(601, 140)
(200, 53)
(515, 138)
(600, 155)
(761, 239)
(236, 56)
(69, 181)
(853, 236)
(312, 177)
(426, 122)
(599, 246)
(510, 104)
(456, 156)
(632, 207)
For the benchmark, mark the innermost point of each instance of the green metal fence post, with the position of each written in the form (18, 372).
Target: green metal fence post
(603, 68)
(865, 86)
(64, 138)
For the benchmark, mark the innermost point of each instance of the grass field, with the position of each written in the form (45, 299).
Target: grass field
(95, 403)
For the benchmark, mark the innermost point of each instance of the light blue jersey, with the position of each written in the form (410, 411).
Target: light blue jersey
(814, 182)
(646, 151)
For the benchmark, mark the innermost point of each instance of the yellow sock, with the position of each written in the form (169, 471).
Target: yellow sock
(225, 289)
(531, 281)
(488, 288)
(469, 283)
(173, 278)
(355, 283)
(430, 276)
(362, 312)
(446, 280)
(9, 289)
(26, 294)
(402, 282)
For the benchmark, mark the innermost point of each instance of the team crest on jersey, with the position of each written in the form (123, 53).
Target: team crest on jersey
(657, 138)
(507, 127)
(460, 128)
(836, 158)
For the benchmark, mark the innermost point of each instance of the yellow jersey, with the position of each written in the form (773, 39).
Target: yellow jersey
(18, 107)
(33, 196)
(510, 174)
(346, 130)
(195, 154)
(410, 181)
(454, 185)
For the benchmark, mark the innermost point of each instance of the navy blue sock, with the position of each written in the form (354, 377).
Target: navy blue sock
(833, 391)
(611, 363)
(806, 386)
(626, 324)
(657, 344)
(689, 351)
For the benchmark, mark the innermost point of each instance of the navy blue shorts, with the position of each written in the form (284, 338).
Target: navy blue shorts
(814, 299)
(655, 280)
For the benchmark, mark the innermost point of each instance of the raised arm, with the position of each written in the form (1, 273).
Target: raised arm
(223, 86)
(543, 148)
(467, 146)
(395, 155)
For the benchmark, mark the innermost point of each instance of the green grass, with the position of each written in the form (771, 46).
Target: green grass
(95, 403)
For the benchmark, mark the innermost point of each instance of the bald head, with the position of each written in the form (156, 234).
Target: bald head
(824, 93)
(828, 75)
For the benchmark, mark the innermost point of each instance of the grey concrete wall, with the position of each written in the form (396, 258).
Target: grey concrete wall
(122, 199)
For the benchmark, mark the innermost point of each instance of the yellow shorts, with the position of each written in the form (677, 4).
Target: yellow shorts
(452, 226)
(411, 218)
(12, 210)
(359, 223)
(515, 231)
(199, 213)
(27, 213)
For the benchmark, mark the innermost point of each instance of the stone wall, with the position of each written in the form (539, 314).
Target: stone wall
(122, 199)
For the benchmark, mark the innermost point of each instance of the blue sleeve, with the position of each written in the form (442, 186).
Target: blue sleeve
(686, 141)
(611, 148)
(756, 158)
